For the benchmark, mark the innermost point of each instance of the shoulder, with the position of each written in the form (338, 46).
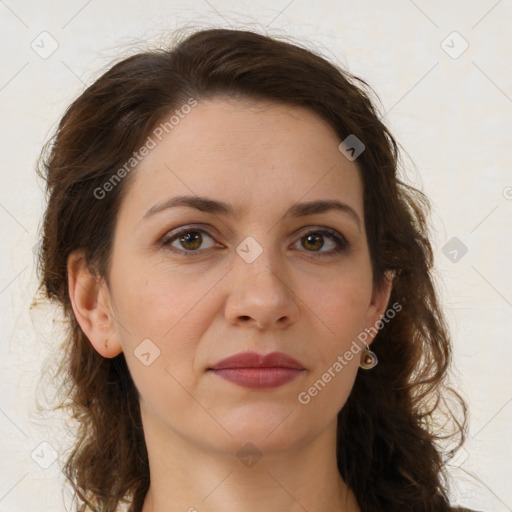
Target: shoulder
(462, 509)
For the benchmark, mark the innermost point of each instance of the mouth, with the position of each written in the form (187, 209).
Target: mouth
(257, 371)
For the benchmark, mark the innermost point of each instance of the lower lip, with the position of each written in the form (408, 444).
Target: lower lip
(259, 378)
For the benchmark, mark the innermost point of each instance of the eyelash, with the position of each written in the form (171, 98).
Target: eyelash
(339, 239)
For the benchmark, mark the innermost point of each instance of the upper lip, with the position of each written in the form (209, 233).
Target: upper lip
(255, 360)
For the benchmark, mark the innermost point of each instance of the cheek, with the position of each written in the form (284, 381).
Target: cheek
(164, 313)
(165, 319)
(342, 306)
(328, 389)
(342, 310)
(158, 301)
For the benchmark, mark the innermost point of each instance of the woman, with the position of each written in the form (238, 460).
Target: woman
(253, 322)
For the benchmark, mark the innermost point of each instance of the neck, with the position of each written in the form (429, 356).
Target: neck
(186, 477)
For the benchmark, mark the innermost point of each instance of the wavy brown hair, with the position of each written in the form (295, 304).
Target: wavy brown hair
(390, 438)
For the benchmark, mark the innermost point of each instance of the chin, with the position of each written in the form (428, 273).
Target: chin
(268, 436)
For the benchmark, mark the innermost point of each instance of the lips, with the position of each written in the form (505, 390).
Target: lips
(254, 360)
(257, 371)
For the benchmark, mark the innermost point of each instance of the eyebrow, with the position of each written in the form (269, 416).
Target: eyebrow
(205, 204)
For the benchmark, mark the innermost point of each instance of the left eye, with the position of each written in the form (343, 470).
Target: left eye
(315, 240)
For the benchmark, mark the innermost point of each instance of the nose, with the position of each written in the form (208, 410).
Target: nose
(261, 294)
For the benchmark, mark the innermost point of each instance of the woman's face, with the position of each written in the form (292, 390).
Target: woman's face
(249, 269)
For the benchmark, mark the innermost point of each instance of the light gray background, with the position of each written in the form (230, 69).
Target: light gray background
(451, 110)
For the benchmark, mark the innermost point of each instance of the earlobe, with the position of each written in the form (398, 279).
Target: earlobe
(91, 305)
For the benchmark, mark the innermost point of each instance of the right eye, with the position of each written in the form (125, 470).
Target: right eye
(189, 240)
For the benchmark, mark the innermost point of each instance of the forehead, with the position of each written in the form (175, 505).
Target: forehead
(248, 153)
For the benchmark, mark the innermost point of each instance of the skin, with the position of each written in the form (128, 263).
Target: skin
(261, 158)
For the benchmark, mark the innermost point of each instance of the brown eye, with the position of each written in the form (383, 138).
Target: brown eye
(188, 241)
(192, 240)
(315, 241)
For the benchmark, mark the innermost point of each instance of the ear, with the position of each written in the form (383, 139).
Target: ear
(378, 305)
(92, 307)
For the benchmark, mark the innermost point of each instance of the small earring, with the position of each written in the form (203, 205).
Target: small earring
(368, 359)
